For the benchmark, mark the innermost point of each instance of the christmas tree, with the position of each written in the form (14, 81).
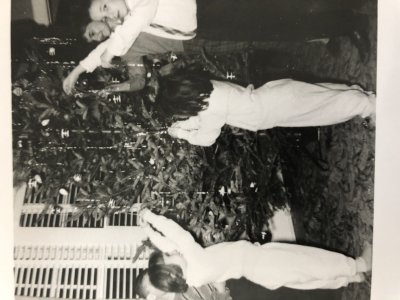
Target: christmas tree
(116, 153)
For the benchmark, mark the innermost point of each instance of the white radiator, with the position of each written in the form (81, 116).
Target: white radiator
(84, 259)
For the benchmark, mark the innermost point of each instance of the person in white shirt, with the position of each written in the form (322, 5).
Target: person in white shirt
(271, 265)
(203, 106)
(156, 17)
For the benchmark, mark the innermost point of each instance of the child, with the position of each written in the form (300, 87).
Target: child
(156, 17)
(207, 105)
(271, 265)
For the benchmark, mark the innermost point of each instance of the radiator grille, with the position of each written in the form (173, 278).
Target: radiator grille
(80, 272)
(123, 219)
(58, 220)
(32, 213)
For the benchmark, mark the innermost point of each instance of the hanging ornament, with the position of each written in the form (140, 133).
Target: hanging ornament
(151, 161)
(45, 122)
(115, 99)
(222, 191)
(77, 177)
(37, 178)
(52, 51)
(32, 183)
(18, 91)
(56, 210)
(20, 144)
(111, 203)
(173, 57)
(63, 192)
(64, 133)
(114, 80)
(230, 75)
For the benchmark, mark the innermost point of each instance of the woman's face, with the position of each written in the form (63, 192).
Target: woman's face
(97, 31)
(103, 10)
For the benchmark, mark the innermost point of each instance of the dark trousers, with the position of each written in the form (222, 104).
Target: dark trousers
(272, 20)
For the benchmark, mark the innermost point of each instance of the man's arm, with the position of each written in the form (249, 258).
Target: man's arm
(88, 64)
(169, 229)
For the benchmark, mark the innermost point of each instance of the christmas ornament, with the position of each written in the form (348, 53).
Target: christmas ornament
(32, 183)
(64, 133)
(57, 210)
(77, 177)
(116, 99)
(230, 75)
(38, 178)
(222, 191)
(18, 91)
(52, 51)
(63, 192)
(173, 57)
(45, 122)
(111, 203)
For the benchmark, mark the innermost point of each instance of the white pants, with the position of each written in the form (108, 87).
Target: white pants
(274, 265)
(290, 103)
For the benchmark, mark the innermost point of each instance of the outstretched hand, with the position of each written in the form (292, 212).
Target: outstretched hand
(71, 79)
(173, 132)
(69, 83)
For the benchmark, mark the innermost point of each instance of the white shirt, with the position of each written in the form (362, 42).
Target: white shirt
(175, 14)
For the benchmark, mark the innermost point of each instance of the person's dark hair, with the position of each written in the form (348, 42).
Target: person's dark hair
(168, 278)
(183, 93)
(156, 258)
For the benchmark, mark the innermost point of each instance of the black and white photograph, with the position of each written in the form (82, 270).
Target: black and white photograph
(194, 149)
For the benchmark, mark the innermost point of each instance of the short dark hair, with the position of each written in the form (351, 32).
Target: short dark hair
(183, 93)
(168, 278)
(156, 258)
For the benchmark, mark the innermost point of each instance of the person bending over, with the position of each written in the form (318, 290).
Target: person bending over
(185, 263)
(203, 106)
